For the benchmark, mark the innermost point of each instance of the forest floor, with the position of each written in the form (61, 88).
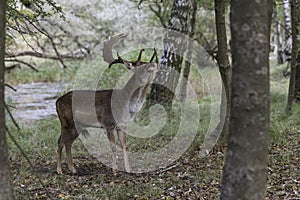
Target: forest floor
(188, 178)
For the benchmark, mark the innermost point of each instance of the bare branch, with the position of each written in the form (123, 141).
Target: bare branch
(11, 87)
(158, 14)
(12, 117)
(53, 45)
(42, 55)
(9, 68)
(23, 62)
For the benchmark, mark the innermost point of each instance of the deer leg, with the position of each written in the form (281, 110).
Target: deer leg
(122, 140)
(112, 141)
(68, 143)
(59, 152)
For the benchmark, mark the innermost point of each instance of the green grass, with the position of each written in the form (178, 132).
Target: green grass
(48, 71)
(38, 139)
(281, 123)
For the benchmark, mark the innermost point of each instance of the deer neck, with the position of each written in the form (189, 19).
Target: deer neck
(134, 93)
(126, 102)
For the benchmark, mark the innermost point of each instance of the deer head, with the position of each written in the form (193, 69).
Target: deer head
(108, 57)
(143, 69)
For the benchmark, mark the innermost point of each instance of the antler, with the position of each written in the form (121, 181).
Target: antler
(154, 56)
(108, 57)
(107, 49)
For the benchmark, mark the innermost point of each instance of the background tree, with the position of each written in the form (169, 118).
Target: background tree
(162, 11)
(41, 29)
(170, 66)
(296, 53)
(204, 30)
(286, 32)
(292, 92)
(276, 35)
(244, 172)
(187, 64)
(27, 20)
(223, 61)
(5, 186)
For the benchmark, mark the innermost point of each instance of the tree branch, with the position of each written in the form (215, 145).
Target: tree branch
(42, 55)
(22, 62)
(12, 117)
(11, 87)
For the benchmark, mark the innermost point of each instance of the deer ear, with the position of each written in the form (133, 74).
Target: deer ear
(128, 65)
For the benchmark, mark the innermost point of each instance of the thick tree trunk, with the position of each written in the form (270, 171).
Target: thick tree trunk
(5, 186)
(166, 79)
(244, 172)
(223, 62)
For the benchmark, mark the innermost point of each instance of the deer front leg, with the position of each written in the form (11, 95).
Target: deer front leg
(112, 141)
(122, 139)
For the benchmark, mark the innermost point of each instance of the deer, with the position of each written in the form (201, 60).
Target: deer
(110, 109)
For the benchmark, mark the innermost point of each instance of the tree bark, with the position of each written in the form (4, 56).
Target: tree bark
(244, 172)
(166, 79)
(277, 49)
(292, 89)
(186, 69)
(223, 62)
(287, 44)
(297, 50)
(5, 186)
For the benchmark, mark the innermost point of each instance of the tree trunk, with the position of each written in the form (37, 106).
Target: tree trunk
(287, 44)
(277, 49)
(292, 92)
(244, 172)
(223, 62)
(5, 186)
(297, 60)
(283, 43)
(166, 79)
(186, 69)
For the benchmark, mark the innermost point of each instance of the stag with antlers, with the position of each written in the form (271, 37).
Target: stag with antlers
(108, 109)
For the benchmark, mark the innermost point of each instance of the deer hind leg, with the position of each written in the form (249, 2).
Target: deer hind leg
(73, 134)
(59, 152)
(122, 140)
(67, 137)
(112, 141)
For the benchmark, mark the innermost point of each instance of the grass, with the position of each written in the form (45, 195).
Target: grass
(189, 177)
(281, 123)
(48, 71)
